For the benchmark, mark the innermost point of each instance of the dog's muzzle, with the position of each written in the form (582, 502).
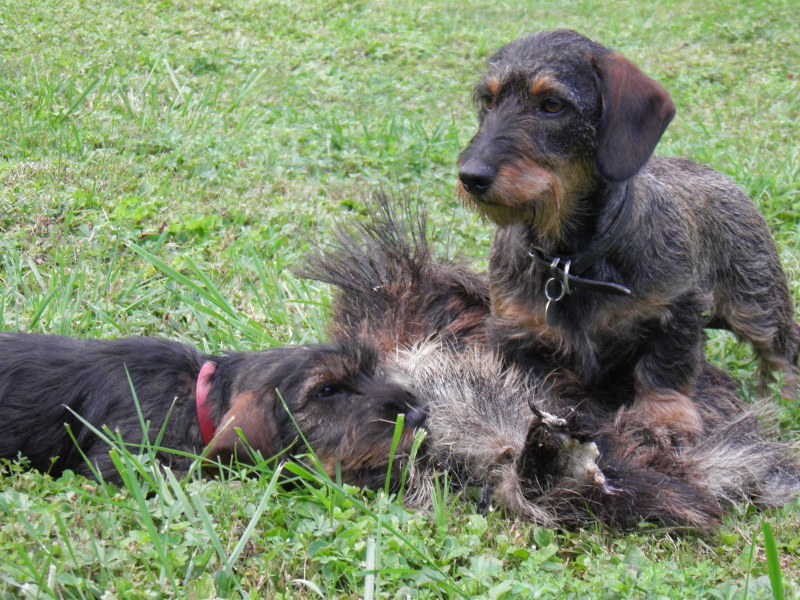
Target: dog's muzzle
(476, 177)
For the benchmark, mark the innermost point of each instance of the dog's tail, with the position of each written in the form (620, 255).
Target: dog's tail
(390, 287)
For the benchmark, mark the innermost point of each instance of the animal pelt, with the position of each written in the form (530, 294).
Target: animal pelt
(547, 459)
(390, 287)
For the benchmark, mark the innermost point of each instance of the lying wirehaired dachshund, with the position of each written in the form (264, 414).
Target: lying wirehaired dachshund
(344, 404)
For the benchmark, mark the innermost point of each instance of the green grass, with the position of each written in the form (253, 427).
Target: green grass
(164, 165)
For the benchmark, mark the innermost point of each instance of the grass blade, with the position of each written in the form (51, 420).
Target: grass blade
(773, 561)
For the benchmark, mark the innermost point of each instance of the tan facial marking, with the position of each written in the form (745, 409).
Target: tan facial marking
(493, 86)
(523, 182)
(547, 85)
(527, 191)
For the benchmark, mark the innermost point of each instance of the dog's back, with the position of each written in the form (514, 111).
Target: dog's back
(44, 380)
(738, 260)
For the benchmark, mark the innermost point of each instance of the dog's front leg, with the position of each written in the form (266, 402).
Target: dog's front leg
(665, 372)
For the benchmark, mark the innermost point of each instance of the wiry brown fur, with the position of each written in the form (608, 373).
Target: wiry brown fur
(601, 464)
(566, 133)
(391, 290)
(342, 401)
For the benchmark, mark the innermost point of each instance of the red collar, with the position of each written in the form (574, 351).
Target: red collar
(207, 428)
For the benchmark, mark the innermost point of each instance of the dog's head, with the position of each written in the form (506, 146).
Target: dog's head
(558, 115)
(337, 398)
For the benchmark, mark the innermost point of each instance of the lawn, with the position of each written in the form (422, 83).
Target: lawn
(164, 166)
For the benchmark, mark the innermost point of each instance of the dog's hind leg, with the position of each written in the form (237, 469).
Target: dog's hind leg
(776, 342)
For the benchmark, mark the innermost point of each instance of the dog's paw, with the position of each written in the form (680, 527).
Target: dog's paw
(669, 415)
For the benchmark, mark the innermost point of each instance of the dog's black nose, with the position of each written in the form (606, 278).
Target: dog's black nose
(476, 177)
(415, 417)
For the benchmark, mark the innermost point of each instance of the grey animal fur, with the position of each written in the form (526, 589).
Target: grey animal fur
(479, 421)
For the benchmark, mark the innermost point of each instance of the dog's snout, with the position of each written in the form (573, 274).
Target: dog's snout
(415, 417)
(476, 177)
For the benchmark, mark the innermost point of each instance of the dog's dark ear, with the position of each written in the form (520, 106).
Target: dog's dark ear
(636, 111)
(248, 413)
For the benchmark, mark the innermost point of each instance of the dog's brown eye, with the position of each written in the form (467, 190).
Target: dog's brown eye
(489, 102)
(329, 391)
(552, 106)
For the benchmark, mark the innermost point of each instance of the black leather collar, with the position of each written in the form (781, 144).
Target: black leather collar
(565, 271)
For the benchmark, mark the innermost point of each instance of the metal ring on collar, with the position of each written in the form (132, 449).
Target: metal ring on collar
(565, 281)
(561, 276)
(554, 297)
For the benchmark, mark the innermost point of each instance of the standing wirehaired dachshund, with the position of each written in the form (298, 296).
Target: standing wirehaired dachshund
(608, 262)
(344, 404)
